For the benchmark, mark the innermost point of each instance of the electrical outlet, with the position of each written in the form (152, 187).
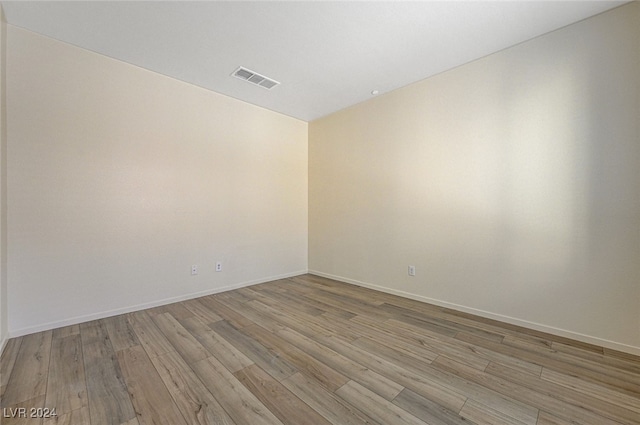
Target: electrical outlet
(218, 266)
(194, 270)
(412, 270)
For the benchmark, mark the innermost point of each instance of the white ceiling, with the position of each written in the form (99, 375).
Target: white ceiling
(326, 55)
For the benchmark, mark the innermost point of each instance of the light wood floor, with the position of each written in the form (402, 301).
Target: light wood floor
(308, 350)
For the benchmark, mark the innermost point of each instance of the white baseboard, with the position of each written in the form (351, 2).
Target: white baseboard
(3, 343)
(103, 314)
(489, 315)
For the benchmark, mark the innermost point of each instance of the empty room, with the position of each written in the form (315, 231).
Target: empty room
(323, 213)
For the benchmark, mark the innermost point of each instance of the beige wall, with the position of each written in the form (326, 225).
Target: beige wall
(4, 328)
(511, 183)
(120, 179)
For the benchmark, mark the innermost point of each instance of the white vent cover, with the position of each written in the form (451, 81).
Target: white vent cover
(255, 78)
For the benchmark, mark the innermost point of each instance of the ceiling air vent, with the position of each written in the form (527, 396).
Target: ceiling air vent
(255, 78)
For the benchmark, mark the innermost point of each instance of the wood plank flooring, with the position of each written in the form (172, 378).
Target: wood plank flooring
(309, 350)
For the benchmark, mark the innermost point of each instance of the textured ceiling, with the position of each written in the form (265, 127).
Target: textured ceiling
(326, 55)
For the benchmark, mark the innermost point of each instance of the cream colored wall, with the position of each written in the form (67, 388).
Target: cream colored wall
(4, 328)
(120, 179)
(511, 183)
